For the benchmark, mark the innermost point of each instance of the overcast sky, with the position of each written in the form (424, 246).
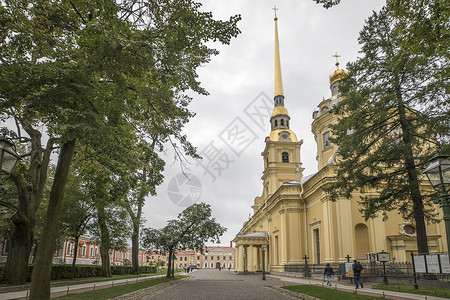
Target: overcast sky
(232, 122)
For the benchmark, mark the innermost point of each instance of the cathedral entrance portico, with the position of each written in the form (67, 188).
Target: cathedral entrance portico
(249, 253)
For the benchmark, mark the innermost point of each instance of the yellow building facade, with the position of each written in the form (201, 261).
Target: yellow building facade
(293, 217)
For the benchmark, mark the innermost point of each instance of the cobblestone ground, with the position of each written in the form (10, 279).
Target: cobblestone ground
(215, 284)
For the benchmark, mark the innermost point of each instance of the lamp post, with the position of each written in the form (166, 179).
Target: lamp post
(244, 262)
(263, 249)
(8, 156)
(438, 173)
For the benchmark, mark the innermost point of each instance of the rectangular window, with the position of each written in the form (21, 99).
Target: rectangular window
(91, 252)
(326, 140)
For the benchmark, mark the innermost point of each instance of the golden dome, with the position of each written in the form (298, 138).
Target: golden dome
(283, 135)
(338, 74)
(279, 110)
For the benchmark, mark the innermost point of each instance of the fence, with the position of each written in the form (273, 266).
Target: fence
(373, 269)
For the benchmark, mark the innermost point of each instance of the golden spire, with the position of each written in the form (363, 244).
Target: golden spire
(337, 62)
(278, 80)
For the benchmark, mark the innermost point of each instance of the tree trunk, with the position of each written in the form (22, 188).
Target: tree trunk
(16, 268)
(135, 248)
(40, 280)
(105, 243)
(30, 195)
(411, 170)
(169, 265)
(75, 253)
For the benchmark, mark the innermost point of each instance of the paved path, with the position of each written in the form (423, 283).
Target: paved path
(218, 285)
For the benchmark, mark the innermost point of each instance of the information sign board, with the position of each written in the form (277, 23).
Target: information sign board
(383, 257)
(445, 263)
(433, 263)
(419, 264)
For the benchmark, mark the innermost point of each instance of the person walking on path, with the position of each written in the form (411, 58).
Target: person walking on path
(357, 268)
(328, 272)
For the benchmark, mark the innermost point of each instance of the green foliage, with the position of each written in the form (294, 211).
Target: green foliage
(422, 290)
(424, 26)
(86, 271)
(191, 230)
(328, 3)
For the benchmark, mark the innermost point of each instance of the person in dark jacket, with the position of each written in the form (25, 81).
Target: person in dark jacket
(357, 268)
(328, 272)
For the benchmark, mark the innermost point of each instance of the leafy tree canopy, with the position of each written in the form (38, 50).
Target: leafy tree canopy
(191, 230)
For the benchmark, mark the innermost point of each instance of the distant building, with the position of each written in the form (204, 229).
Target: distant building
(212, 258)
(88, 254)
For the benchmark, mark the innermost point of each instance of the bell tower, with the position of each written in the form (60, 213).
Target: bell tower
(281, 154)
(326, 151)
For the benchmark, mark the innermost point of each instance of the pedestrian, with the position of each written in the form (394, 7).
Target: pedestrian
(357, 268)
(229, 268)
(328, 272)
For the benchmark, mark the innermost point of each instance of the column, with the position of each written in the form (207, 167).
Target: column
(250, 262)
(283, 233)
(255, 259)
(266, 259)
(239, 257)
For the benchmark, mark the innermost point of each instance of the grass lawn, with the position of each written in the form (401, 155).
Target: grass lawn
(423, 290)
(326, 293)
(116, 291)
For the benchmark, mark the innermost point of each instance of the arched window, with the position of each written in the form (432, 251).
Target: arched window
(206, 265)
(282, 122)
(287, 123)
(276, 123)
(285, 157)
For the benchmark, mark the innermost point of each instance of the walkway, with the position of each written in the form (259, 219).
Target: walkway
(221, 285)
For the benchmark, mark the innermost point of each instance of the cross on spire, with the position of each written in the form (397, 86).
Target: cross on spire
(275, 10)
(337, 62)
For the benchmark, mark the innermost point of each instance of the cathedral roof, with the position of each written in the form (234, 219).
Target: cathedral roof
(283, 135)
(255, 235)
(279, 110)
(338, 74)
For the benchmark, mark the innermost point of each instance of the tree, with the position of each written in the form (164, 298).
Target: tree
(191, 230)
(92, 70)
(143, 183)
(394, 115)
(77, 212)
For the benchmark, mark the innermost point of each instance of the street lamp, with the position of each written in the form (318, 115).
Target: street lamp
(8, 157)
(244, 262)
(438, 173)
(263, 249)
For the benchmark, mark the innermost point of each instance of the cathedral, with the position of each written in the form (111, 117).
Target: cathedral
(292, 220)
